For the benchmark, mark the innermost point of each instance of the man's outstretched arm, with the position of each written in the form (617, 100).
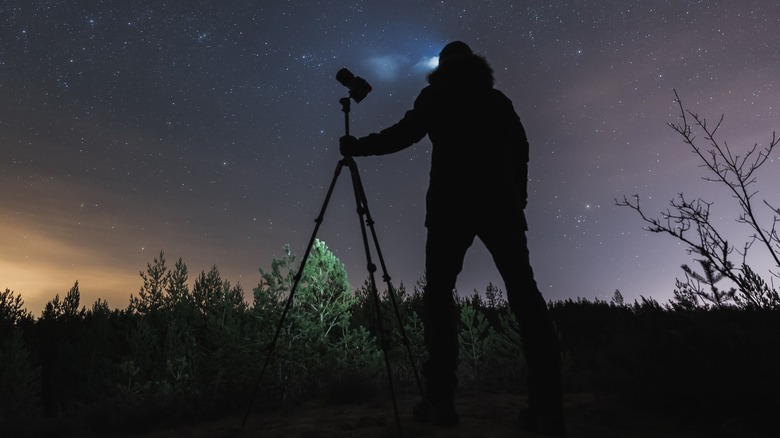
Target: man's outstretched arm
(408, 131)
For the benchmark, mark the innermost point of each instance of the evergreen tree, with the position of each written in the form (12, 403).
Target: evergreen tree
(99, 346)
(755, 292)
(176, 290)
(12, 311)
(325, 294)
(322, 300)
(316, 335)
(20, 382)
(59, 334)
(150, 298)
(221, 307)
(477, 338)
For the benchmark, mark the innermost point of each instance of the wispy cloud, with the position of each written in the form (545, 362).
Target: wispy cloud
(391, 67)
(386, 67)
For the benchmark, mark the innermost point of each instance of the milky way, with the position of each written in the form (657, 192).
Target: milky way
(208, 130)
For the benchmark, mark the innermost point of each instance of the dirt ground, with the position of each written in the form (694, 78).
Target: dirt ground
(481, 415)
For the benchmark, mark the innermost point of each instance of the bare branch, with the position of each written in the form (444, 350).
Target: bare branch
(689, 221)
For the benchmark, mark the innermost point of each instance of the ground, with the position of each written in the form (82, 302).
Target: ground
(482, 415)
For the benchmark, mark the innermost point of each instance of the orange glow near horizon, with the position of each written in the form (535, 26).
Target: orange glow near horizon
(38, 267)
(63, 230)
(41, 260)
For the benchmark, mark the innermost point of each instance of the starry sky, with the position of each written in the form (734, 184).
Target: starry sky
(209, 130)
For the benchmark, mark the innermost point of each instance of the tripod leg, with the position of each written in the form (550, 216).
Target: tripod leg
(361, 194)
(296, 280)
(362, 210)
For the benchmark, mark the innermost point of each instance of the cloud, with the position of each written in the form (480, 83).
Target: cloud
(386, 67)
(390, 67)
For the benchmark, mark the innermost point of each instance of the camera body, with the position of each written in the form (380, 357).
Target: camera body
(358, 87)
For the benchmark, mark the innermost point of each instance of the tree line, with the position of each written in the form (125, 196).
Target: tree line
(178, 353)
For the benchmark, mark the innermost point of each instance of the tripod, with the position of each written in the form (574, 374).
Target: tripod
(365, 221)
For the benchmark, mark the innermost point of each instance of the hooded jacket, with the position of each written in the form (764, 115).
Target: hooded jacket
(479, 162)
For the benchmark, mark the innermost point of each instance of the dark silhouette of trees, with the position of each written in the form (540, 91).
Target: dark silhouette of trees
(689, 221)
(701, 289)
(186, 351)
(20, 382)
(726, 338)
(12, 310)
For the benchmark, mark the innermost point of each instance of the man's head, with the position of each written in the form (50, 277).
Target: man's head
(460, 67)
(453, 49)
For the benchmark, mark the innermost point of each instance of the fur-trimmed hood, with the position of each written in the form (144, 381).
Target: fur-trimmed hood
(463, 72)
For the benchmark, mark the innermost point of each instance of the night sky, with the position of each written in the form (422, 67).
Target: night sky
(209, 130)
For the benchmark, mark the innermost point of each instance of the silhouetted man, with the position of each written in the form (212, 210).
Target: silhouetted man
(478, 188)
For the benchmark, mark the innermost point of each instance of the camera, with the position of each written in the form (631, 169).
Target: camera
(358, 87)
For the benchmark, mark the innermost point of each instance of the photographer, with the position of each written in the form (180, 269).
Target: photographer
(478, 188)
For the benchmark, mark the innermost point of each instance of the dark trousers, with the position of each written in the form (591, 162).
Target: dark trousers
(445, 250)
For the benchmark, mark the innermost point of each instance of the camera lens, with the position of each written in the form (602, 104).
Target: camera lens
(344, 76)
(358, 87)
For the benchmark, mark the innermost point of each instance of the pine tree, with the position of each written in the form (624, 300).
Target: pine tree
(693, 289)
(60, 337)
(12, 311)
(176, 290)
(70, 305)
(150, 298)
(20, 382)
(316, 336)
(325, 294)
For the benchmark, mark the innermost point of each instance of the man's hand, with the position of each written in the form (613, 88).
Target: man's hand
(348, 145)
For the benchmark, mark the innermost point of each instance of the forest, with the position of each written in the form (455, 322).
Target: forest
(181, 354)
